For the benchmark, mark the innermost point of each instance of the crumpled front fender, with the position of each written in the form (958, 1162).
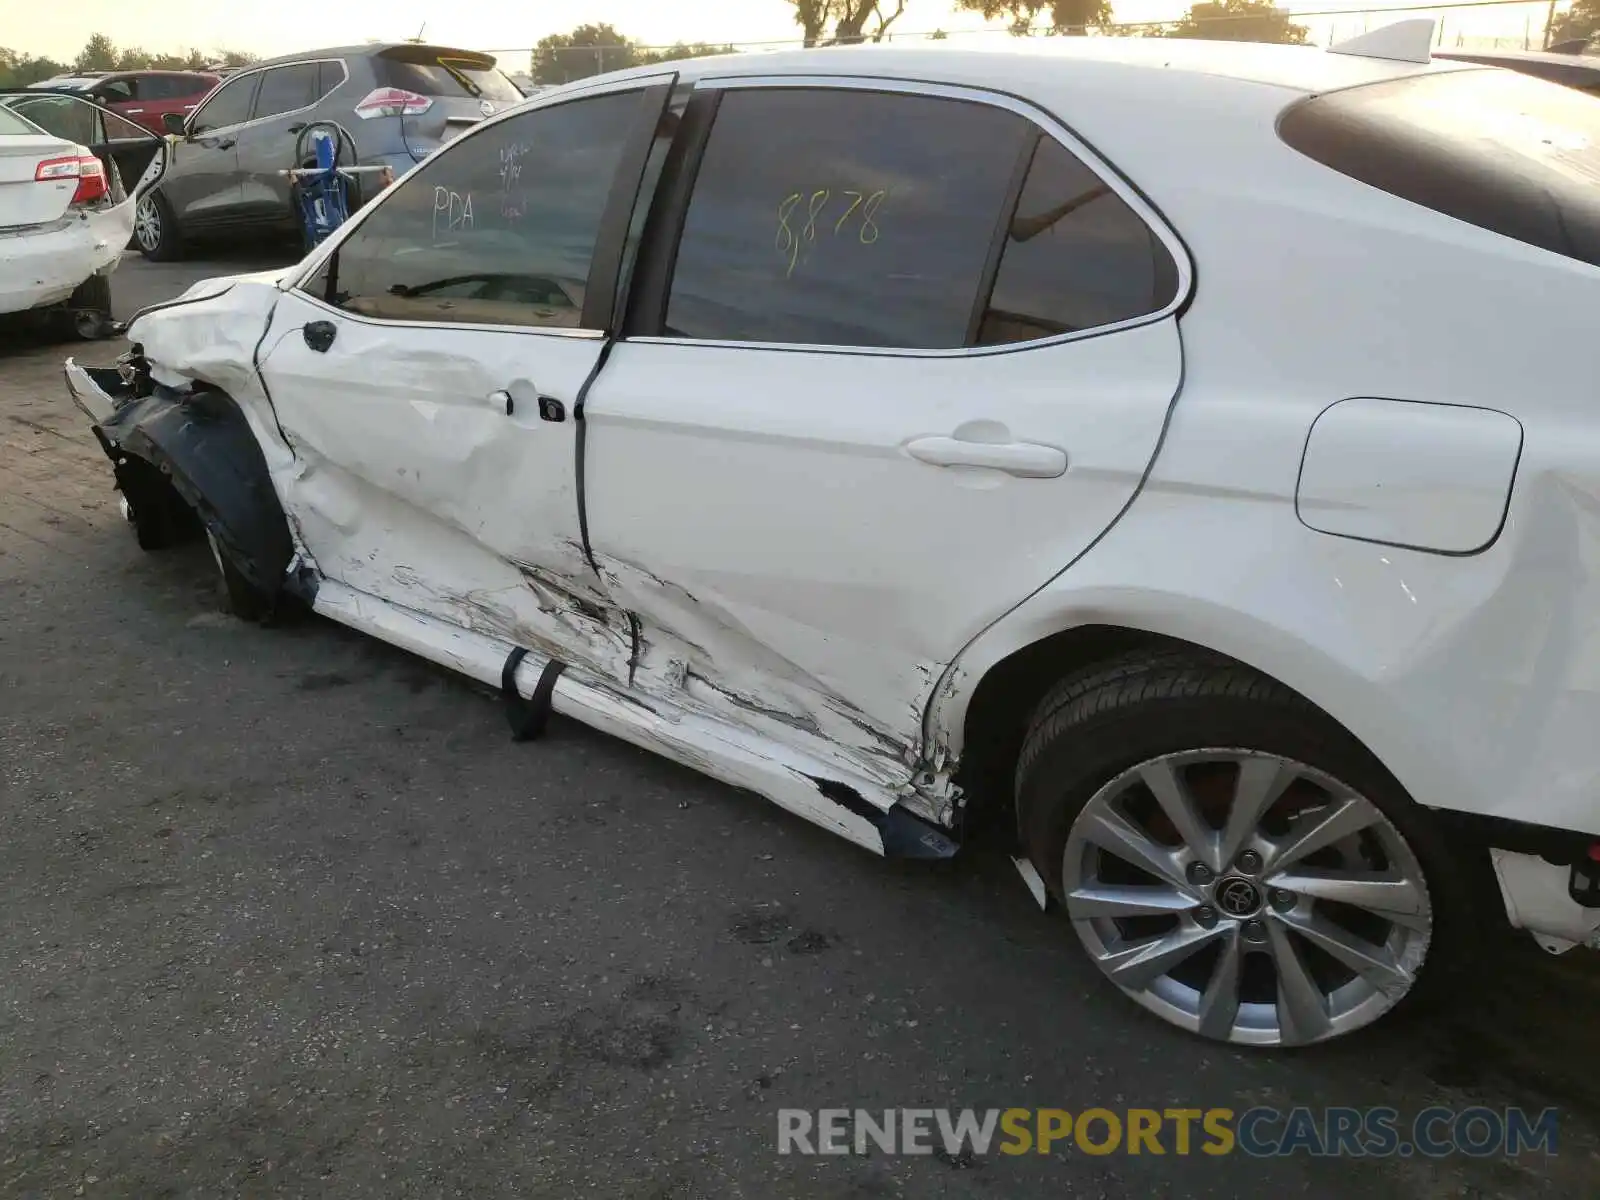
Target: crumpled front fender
(202, 445)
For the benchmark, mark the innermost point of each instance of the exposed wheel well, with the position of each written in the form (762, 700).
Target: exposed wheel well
(997, 718)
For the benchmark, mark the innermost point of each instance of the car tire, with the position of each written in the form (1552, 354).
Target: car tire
(155, 229)
(240, 597)
(1258, 953)
(87, 314)
(160, 518)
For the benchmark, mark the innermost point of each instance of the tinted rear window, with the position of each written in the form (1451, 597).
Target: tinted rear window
(1502, 151)
(446, 76)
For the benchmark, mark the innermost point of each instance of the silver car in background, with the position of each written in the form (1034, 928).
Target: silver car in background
(392, 105)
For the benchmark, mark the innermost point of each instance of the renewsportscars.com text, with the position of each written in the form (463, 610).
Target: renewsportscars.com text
(1260, 1132)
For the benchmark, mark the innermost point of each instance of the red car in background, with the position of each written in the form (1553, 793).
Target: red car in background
(144, 97)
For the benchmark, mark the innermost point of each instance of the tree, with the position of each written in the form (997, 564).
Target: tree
(234, 58)
(1066, 16)
(847, 18)
(587, 50)
(679, 50)
(1238, 21)
(99, 53)
(189, 60)
(19, 70)
(1581, 20)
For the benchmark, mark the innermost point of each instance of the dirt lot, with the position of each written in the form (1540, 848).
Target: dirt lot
(287, 913)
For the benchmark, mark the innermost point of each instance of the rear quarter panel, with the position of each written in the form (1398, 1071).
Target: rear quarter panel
(1475, 678)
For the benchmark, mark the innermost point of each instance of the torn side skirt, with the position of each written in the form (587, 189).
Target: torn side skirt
(904, 834)
(200, 441)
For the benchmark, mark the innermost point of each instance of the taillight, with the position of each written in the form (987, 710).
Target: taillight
(392, 102)
(85, 168)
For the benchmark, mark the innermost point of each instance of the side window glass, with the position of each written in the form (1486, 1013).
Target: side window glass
(284, 89)
(843, 217)
(496, 229)
(329, 76)
(62, 116)
(118, 91)
(1076, 256)
(230, 106)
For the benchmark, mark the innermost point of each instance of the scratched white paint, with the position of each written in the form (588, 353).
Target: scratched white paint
(46, 268)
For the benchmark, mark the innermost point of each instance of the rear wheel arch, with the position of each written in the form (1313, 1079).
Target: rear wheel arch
(1002, 706)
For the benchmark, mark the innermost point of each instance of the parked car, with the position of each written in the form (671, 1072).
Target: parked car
(394, 104)
(1134, 437)
(143, 97)
(1574, 70)
(70, 175)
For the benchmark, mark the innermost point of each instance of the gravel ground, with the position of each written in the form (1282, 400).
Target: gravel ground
(287, 913)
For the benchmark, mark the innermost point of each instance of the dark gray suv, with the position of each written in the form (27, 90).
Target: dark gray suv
(395, 103)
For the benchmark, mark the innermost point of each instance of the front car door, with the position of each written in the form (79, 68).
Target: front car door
(427, 372)
(121, 94)
(910, 356)
(204, 188)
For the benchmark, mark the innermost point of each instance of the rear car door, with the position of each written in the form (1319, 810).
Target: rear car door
(910, 356)
(205, 188)
(267, 142)
(426, 374)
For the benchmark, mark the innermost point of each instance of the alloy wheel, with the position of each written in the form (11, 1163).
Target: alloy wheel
(1247, 897)
(147, 223)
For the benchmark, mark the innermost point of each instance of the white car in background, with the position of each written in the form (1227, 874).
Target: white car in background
(1187, 450)
(66, 213)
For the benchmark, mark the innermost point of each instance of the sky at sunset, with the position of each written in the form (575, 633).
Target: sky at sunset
(284, 26)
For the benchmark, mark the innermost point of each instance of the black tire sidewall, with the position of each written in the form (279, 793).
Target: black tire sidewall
(240, 596)
(1073, 758)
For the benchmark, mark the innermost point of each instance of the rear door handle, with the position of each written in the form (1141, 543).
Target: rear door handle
(1030, 460)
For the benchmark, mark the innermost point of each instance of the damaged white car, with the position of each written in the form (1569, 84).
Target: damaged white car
(66, 207)
(1186, 450)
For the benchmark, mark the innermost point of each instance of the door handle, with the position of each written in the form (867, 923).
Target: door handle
(1030, 460)
(226, 144)
(133, 110)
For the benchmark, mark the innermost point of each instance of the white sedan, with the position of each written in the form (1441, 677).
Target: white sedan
(1187, 450)
(65, 213)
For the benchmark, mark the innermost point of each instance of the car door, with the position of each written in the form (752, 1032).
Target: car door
(205, 187)
(910, 356)
(155, 95)
(267, 142)
(426, 376)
